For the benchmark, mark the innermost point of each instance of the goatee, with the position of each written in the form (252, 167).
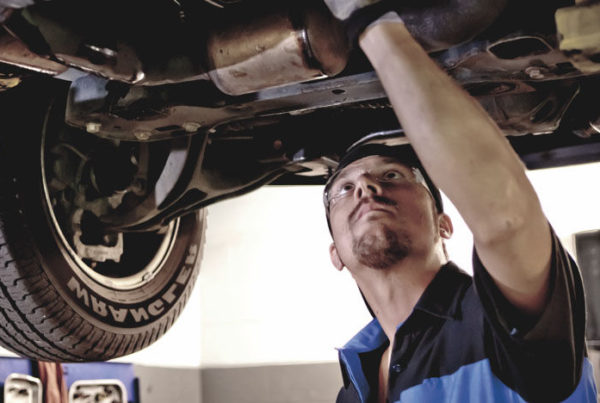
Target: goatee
(381, 249)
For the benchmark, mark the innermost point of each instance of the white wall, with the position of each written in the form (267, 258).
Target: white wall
(570, 197)
(269, 294)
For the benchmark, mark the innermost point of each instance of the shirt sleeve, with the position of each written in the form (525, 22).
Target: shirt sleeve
(542, 356)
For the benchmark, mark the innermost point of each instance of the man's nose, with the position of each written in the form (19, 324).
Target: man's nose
(366, 186)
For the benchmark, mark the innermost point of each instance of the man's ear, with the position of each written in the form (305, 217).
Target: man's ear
(335, 258)
(445, 226)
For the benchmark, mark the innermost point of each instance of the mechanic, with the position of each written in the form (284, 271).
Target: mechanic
(515, 331)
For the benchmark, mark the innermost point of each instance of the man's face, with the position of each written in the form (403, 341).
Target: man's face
(380, 213)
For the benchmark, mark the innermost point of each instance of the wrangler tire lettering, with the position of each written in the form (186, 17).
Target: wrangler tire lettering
(156, 308)
(139, 314)
(99, 307)
(118, 315)
(81, 293)
(170, 296)
(193, 254)
(184, 275)
(104, 309)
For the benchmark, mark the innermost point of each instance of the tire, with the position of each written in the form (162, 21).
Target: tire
(52, 307)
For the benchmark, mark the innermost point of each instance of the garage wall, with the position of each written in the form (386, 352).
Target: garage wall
(570, 197)
(299, 383)
(169, 385)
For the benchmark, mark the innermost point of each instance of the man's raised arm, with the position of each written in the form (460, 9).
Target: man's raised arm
(468, 157)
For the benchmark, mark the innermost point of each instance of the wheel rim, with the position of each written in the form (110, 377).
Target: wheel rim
(124, 276)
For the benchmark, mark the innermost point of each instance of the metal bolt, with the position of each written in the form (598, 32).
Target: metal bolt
(191, 127)
(93, 127)
(534, 72)
(142, 135)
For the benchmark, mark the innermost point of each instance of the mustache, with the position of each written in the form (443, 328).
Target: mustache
(376, 198)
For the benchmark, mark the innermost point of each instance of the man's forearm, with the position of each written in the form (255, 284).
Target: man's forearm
(458, 143)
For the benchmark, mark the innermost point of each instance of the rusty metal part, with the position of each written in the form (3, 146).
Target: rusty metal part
(14, 52)
(276, 51)
(579, 32)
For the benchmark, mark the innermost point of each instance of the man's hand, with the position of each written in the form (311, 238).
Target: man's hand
(343, 9)
(358, 14)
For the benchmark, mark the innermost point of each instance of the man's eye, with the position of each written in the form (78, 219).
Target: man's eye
(347, 187)
(392, 175)
(344, 189)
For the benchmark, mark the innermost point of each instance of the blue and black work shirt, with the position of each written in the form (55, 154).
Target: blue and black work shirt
(464, 342)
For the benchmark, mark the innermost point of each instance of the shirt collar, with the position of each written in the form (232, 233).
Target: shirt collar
(366, 342)
(440, 298)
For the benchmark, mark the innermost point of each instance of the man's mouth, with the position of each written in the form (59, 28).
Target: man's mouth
(371, 210)
(379, 205)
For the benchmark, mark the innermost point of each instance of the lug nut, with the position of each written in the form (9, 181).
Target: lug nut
(142, 135)
(534, 72)
(191, 127)
(93, 127)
